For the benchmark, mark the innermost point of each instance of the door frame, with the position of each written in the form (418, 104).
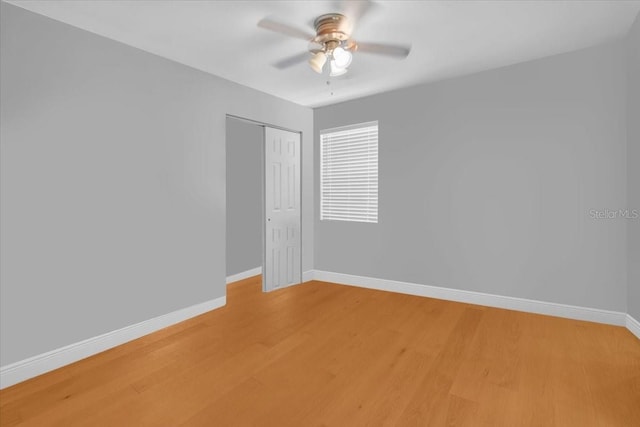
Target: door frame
(264, 125)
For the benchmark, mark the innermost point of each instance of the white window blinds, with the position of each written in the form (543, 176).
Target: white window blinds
(349, 173)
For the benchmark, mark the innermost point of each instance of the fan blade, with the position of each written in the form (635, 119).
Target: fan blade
(396, 51)
(354, 10)
(287, 30)
(292, 60)
(315, 47)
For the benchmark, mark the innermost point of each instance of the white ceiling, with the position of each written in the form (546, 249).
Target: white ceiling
(448, 38)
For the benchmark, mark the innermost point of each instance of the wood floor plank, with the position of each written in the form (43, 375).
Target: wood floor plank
(429, 403)
(322, 354)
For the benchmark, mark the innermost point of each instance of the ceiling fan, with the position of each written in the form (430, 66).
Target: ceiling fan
(332, 41)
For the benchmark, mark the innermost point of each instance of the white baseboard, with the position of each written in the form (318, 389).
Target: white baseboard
(37, 365)
(244, 275)
(308, 276)
(633, 326)
(479, 298)
(42, 363)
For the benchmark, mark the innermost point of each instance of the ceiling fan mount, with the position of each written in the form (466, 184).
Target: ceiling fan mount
(329, 27)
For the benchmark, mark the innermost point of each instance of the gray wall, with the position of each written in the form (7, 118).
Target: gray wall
(486, 183)
(633, 166)
(244, 196)
(112, 183)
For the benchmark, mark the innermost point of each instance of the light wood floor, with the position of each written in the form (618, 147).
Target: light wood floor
(321, 354)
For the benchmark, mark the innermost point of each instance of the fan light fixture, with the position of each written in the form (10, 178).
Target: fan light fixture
(317, 61)
(336, 70)
(340, 61)
(341, 57)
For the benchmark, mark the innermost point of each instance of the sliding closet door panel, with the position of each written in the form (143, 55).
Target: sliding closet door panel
(282, 209)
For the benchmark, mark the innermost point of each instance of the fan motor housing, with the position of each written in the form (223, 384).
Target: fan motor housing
(329, 28)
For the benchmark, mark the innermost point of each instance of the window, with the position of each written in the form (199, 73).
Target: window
(349, 173)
